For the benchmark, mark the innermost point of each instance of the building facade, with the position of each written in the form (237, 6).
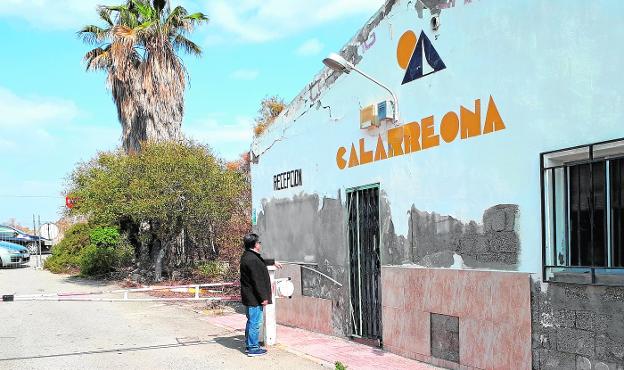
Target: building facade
(479, 225)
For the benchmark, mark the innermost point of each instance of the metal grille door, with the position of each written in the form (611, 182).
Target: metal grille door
(364, 262)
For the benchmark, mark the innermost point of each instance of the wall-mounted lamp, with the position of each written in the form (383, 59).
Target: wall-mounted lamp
(340, 64)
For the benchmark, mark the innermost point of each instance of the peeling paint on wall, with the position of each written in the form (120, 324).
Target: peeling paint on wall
(434, 240)
(309, 229)
(312, 230)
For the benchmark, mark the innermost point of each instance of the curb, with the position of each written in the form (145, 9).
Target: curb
(317, 360)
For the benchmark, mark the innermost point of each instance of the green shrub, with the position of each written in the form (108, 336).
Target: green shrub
(214, 270)
(107, 251)
(59, 263)
(104, 236)
(75, 238)
(92, 250)
(96, 260)
(66, 254)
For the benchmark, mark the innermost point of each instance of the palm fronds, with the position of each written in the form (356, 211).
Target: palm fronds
(137, 46)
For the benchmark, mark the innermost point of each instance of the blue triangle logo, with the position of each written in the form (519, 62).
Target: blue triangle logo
(425, 60)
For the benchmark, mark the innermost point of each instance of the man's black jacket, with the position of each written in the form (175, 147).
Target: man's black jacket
(254, 280)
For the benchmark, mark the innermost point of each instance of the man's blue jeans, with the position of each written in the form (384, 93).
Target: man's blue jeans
(252, 329)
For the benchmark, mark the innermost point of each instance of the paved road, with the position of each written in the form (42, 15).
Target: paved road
(128, 335)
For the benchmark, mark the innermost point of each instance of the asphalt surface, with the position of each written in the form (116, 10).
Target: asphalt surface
(126, 335)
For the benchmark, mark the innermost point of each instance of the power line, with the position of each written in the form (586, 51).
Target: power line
(30, 196)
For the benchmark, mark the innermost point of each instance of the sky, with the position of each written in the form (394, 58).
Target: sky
(54, 114)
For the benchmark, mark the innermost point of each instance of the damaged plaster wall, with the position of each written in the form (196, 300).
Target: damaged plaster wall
(434, 240)
(304, 230)
(577, 326)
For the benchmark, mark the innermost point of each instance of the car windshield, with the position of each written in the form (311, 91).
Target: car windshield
(11, 246)
(9, 229)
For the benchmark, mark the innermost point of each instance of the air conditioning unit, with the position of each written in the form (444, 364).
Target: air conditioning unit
(375, 114)
(368, 117)
(385, 112)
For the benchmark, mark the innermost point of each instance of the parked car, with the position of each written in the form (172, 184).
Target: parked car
(13, 235)
(12, 254)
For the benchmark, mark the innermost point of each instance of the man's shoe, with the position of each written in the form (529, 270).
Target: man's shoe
(257, 352)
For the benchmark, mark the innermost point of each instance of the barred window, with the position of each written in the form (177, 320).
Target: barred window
(583, 214)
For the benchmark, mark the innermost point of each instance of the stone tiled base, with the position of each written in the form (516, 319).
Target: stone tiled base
(308, 313)
(493, 309)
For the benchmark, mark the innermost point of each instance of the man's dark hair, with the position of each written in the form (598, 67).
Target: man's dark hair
(250, 240)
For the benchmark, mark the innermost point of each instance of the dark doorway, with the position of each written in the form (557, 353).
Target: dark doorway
(364, 263)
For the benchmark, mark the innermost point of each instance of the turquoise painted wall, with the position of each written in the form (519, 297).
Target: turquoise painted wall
(554, 69)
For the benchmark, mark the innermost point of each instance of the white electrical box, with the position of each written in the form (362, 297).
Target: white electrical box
(385, 111)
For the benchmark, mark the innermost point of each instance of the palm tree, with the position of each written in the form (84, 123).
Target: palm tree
(137, 47)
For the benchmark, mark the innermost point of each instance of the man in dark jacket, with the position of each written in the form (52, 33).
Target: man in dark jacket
(255, 292)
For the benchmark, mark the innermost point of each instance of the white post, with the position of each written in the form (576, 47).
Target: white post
(38, 233)
(269, 322)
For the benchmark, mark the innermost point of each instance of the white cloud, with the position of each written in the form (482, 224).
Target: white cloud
(19, 111)
(310, 47)
(228, 138)
(52, 14)
(218, 131)
(265, 20)
(245, 74)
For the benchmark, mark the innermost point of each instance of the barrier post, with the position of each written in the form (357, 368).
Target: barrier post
(269, 322)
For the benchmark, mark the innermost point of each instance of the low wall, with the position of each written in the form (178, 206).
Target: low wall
(314, 314)
(481, 319)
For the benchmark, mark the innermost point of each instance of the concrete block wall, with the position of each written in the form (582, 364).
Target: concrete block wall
(577, 327)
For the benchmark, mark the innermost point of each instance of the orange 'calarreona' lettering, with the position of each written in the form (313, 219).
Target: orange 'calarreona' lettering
(353, 158)
(449, 128)
(493, 120)
(380, 150)
(395, 139)
(470, 121)
(365, 156)
(411, 137)
(414, 136)
(429, 138)
(340, 158)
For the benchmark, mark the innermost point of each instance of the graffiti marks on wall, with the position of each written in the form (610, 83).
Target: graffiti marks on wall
(416, 136)
(370, 42)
